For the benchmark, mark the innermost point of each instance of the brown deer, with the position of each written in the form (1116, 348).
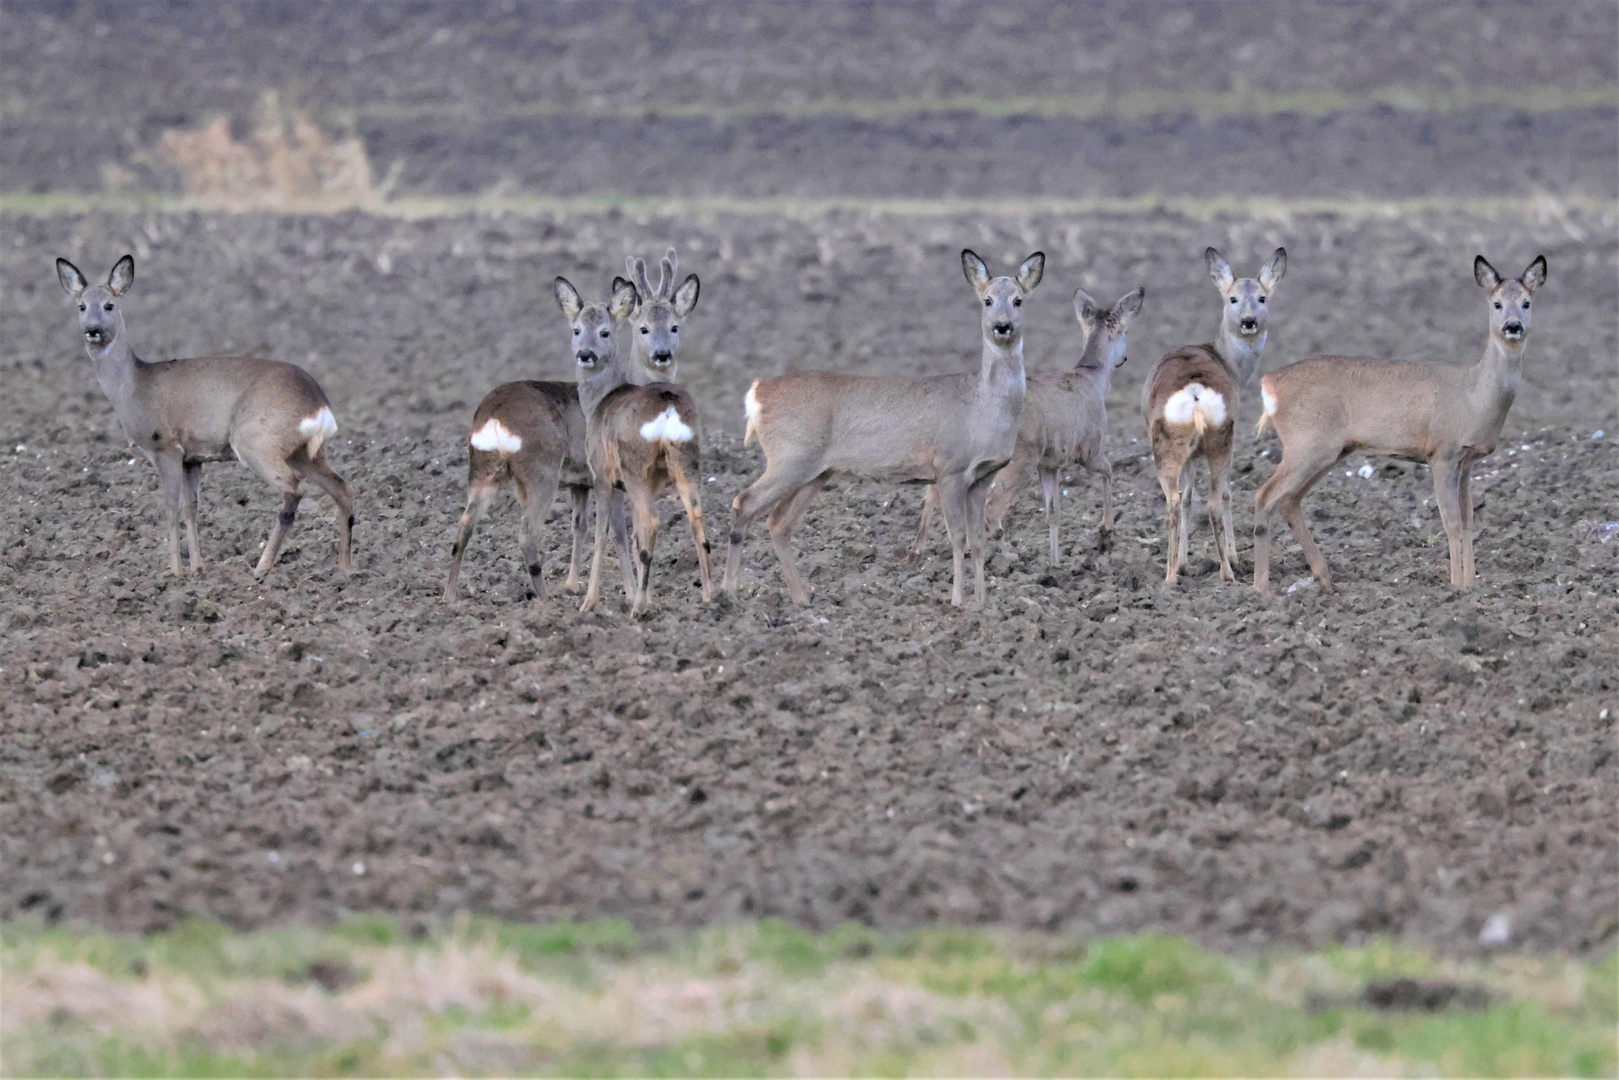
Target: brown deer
(532, 433)
(640, 439)
(1190, 400)
(182, 413)
(955, 431)
(1447, 415)
(1064, 423)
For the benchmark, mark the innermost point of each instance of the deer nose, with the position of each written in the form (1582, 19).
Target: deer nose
(1513, 327)
(1002, 328)
(662, 356)
(586, 357)
(1250, 324)
(94, 334)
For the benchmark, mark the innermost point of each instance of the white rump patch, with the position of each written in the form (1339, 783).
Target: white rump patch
(1269, 399)
(1191, 399)
(497, 437)
(317, 429)
(667, 426)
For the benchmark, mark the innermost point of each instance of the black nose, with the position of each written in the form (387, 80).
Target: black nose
(1249, 324)
(1003, 328)
(586, 357)
(94, 333)
(1513, 328)
(662, 356)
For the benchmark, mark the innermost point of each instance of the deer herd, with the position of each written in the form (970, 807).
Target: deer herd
(625, 430)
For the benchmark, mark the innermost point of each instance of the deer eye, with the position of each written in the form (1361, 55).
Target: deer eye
(83, 308)
(644, 330)
(1017, 301)
(1233, 299)
(106, 307)
(1498, 305)
(676, 329)
(1526, 305)
(1261, 299)
(577, 331)
(607, 333)
(988, 302)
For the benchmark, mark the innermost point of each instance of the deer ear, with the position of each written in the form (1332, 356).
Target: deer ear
(1484, 273)
(977, 273)
(1032, 270)
(122, 276)
(1271, 273)
(71, 279)
(686, 296)
(567, 298)
(1219, 270)
(1085, 307)
(1129, 306)
(1535, 276)
(623, 300)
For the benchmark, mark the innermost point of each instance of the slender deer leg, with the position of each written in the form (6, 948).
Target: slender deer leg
(759, 498)
(782, 523)
(278, 532)
(1465, 502)
(593, 590)
(1447, 493)
(644, 514)
(1293, 514)
(977, 496)
(319, 473)
(1185, 487)
(537, 482)
(1007, 485)
(1050, 495)
(953, 501)
(624, 543)
(480, 493)
(1104, 535)
(1219, 518)
(691, 497)
(171, 479)
(581, 525)
(192, 494)
(930, 502)
(1169, 479)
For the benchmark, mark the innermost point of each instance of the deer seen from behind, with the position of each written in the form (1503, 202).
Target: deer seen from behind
(954, 431)
(1448, 416)
(1064, 423)
(181, 414)
(1190, 401)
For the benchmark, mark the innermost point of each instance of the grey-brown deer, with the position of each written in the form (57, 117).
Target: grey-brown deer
(642, 438)
(532, 433)
(955, 431)
(1190, 400)
(1446, 415)
(1064, 423)
(180, 414)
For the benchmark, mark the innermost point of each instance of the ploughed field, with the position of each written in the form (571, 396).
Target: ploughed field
(1090, 751)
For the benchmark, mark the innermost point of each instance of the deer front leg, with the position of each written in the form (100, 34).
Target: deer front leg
(1465, 502)
(1104, 535)
(1447, 493)
(593, 590)
(171, 481)
(953, 501)
(1050, 495)
(192, 493)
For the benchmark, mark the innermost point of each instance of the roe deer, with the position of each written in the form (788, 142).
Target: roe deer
(532, 433)
(1064, 423)
(1447, 415)
(1190, 400)
(640, 438)
(182, 413)
(955, 431)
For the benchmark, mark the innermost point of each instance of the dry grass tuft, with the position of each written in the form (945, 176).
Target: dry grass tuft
(287, 163)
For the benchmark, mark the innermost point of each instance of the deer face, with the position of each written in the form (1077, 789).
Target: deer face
(655, 322)
(1001, 318)
(593, 327)
(101, 316)
(1247, 300)
(1510, 300)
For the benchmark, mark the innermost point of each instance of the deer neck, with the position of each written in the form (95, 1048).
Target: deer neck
(1001, 372)
(1095, 359)
(117, 371)
(594, 388)
(1241, 353)
(1495, 381)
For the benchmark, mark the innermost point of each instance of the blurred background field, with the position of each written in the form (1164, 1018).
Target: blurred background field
(478, 997)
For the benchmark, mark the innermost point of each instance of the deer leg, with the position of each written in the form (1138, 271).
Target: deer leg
(536, 490)
(783, 522)
(953, 501)
(930, 501)
(191, 494)
(171, 480)
(278, 533)
(1169, 479)
(644, 513)
(977, 497)
(480, 493)
(593, 590)
(581, 523)
(1104, 535)
(1220, 519)
(623, 540)
(691, 497)
(1465, 503)
(1447, 493)
(758, 498)
(1293, 513)
(319, 473)
(1050, 496)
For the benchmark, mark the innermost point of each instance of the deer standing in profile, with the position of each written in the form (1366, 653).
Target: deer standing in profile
(532, 434)
(1064, 423)
(641, 438)
(1190, 400)
(954, 431)
(1448, 416)
(182, 413)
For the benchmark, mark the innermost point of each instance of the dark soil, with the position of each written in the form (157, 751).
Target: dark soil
(1091, 751)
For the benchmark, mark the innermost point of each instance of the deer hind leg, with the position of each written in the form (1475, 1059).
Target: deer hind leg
(1225, 545)
(536, 490)
(320, 474)
(280, 474)
(783, 522)
(757, 499)
(644, 516)
(1170, 474)
(1104, 535)
(1050, 495)
(623, 542)
(691, 497)
(930, 504)
(480, 493)
(580, 495)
